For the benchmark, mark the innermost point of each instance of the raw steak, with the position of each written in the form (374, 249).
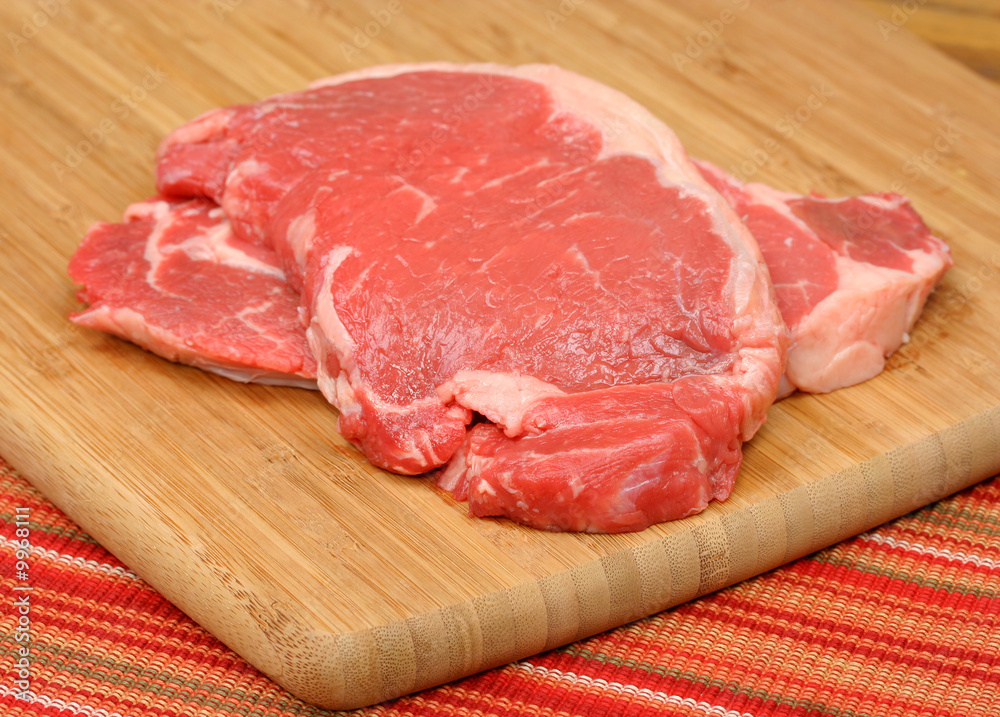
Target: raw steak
(175, 280)
(521, 243)
(808, 271)
(851, 275)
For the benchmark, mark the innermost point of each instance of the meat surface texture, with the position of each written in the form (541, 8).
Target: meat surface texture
(174, 279)
(521, 245)
(851, 276)
(808, 272)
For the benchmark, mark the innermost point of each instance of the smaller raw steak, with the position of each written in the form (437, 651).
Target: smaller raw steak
(851, 275)
(175, 280)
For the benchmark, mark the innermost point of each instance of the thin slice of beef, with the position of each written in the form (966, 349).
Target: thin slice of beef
(175, 280)
(522, 243)
(851, 275)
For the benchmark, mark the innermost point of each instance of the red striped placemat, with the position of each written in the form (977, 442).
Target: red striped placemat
(903, 620)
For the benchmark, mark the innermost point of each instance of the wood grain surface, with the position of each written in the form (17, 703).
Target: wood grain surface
(967, 30)
(348, 585)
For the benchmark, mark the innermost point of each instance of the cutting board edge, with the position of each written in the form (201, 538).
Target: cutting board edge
(942, 461)
(364, 667)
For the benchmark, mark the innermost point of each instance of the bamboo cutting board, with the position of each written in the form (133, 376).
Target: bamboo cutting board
(348, 585)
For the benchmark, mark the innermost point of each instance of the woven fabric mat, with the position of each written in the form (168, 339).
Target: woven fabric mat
(903, 620)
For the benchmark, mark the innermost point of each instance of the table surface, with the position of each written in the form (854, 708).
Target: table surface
(900, 620)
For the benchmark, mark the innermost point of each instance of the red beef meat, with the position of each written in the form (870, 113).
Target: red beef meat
(522, 243)
(519, 243)
(851, 275)
(174, 279)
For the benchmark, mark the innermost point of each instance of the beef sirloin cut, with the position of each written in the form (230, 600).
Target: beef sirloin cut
(824, 295)
(851, 275)
(175, 280)
(519, 243)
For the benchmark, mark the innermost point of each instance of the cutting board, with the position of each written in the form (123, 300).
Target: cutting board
(348, 585)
